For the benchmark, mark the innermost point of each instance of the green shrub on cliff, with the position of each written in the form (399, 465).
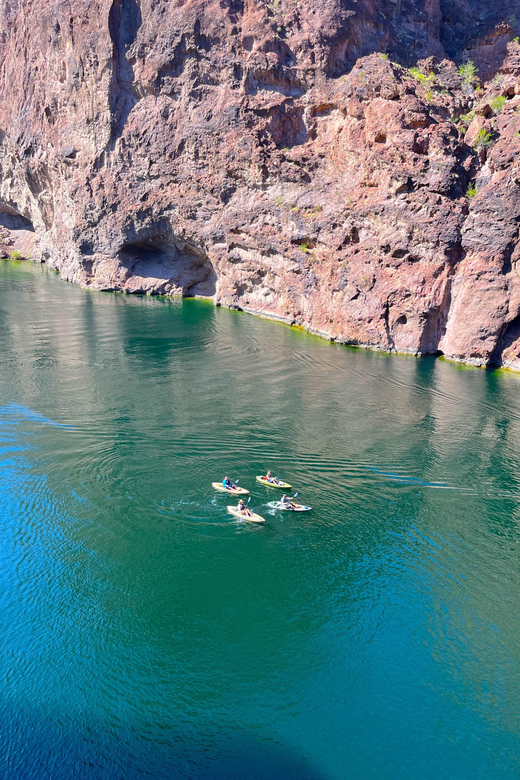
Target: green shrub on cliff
(314, 211)
(468, 71)
(16, 255)
(482, 139)
(498, 103)
(422, 78)
(467, 118)
(471, 191)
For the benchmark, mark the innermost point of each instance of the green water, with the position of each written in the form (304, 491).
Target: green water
(145, 633)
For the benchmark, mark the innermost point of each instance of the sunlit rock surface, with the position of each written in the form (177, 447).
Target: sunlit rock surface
(325, 163)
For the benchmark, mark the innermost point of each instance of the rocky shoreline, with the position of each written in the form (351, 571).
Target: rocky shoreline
(349, 169)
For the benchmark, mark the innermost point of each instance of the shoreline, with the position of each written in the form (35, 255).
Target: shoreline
(273, 317)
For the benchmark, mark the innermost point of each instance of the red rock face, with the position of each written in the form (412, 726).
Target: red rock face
(276, 155)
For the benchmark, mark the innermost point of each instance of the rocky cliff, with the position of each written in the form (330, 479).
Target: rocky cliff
(350, 166)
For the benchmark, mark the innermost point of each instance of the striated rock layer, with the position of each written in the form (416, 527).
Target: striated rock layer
(324, 163)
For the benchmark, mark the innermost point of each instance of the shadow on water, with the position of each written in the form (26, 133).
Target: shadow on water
(33, 748)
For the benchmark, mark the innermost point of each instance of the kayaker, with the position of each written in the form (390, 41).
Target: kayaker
(226, 482)
(270, 478)
(288, 502)
(242, 508)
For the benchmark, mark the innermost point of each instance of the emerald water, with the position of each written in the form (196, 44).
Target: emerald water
(145, 633)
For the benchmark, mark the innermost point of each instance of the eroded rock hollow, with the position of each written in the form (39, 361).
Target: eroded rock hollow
(350, 166)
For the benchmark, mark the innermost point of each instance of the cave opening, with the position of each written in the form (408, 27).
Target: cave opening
(163, 264)
(13, 220)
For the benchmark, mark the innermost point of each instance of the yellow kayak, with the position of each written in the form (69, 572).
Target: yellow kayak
(252, 518)
(236, 491)
(279, 484)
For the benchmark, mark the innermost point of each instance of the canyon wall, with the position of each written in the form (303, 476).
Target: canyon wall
(330, 164)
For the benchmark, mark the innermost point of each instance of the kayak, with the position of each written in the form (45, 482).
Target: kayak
(297, 508)
(279, 484)
(236, 491)
(252, 518)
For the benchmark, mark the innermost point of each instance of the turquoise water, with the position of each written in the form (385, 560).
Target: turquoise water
(145, 633)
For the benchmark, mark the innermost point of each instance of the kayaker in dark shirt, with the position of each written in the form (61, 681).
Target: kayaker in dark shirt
(243, 509)
(226, 482)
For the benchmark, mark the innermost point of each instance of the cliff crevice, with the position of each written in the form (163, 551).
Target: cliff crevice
(124, 21)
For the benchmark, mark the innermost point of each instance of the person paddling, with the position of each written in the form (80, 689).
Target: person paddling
(242, 508)
(226, 482)
(287, 502)
(270, 478)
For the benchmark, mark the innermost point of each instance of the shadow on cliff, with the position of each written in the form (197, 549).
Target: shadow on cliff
(507, 343)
